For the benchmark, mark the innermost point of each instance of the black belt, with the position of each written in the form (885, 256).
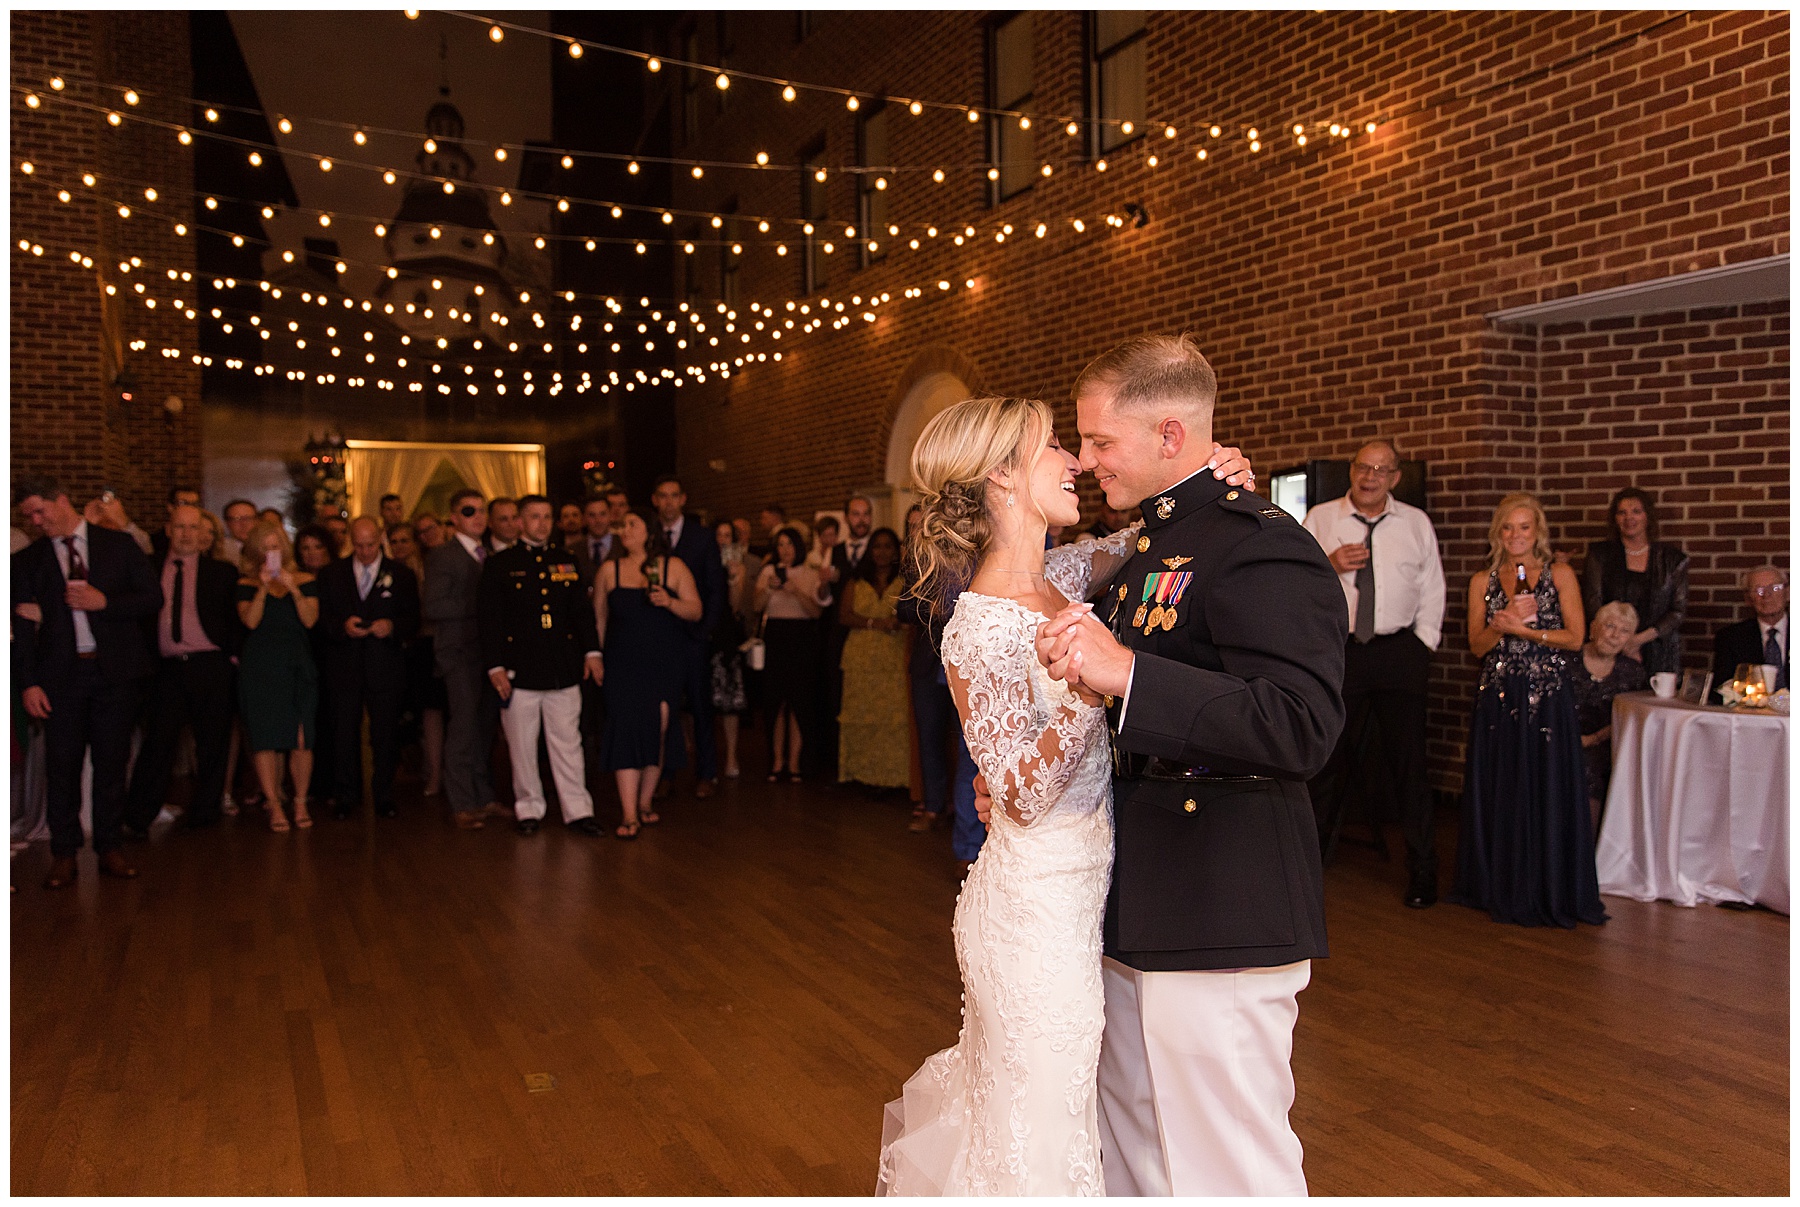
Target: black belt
(1129, 766)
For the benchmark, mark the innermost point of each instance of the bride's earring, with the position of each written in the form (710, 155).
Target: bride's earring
(1010, 500)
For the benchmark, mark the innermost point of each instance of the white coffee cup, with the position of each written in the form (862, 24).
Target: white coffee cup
(1663, 684)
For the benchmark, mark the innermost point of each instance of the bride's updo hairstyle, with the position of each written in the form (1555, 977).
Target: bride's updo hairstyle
(956, 452)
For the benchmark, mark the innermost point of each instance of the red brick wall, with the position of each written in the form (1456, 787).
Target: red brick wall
(67, 419)
(1339, 289)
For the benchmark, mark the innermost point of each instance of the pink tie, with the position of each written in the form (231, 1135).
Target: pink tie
(480, 554)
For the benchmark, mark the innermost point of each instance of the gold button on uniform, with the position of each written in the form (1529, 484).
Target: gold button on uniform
(1189, 805)
(1231, 494)
(1143, 544)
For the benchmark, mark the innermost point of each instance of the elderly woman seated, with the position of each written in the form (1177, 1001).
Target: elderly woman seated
(1601, 673)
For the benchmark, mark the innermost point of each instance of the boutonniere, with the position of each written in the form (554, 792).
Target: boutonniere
(385, 581)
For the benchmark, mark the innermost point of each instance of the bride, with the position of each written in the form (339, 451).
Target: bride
(1011, 1109)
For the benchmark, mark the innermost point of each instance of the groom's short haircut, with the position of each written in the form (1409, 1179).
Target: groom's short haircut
(1151, 369)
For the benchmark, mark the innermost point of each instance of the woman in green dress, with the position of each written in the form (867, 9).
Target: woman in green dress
(278, 683)
(874, 746)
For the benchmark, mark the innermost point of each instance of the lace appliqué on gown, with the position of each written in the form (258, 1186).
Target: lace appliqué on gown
(1011, 1109)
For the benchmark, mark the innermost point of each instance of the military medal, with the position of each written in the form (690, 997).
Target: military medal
(1143, 608)
(1163, 583)
(1171, 589)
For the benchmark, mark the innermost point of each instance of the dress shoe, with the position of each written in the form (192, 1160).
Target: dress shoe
(112, 863)
(527, 826)
(386, 810)
(468, 821)
(705, 788)
(1421, 892)
(62, 871)
(497, 811)
(586, 825)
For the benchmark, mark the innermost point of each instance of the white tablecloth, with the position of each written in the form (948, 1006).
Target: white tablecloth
(1697, 810)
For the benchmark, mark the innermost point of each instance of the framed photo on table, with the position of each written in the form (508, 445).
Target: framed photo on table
(1694, 686)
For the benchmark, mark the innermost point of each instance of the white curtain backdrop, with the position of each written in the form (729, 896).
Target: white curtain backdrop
(373, 468)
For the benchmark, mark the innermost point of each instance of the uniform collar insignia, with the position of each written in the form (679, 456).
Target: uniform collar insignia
(1165, 507)
(1182, 499)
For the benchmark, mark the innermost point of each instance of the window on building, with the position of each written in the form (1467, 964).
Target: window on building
(690, 86)
(1116, 84)
(1010, 147)
(812, 209)
(871, 199)
(729, 237)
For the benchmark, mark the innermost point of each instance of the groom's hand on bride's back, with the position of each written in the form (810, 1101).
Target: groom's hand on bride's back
(984, 804)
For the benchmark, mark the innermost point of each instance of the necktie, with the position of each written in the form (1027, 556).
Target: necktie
(595, 549)
(1772, 656)
(176, 607)
(480, 553)
(77, 567)
(1365, 583)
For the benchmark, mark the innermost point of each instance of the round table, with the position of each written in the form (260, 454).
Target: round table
(1697, 810)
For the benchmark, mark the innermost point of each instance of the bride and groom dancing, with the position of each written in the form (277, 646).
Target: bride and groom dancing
(1145, 710)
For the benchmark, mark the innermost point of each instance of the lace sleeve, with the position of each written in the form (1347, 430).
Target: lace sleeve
(1025, 748)
(1075, 569)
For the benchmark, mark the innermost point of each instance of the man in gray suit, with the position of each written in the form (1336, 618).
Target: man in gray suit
(452, 576)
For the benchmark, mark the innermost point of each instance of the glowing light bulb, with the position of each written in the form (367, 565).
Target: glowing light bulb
(496, 34)
(654, 64)
(632, 167)
(974, 115)
(852, 104)
(697, 171)
(938, 176)
(915, 108)
(762, 157)
(500, 154)
(1370, 128)
(788, 93)
(1099, 165)
(285, 126)
(1024, 122)
(574, 50)
(722, 81)
(568, 161)
(359, 138)
(431, 146)
(324, 165)
(1126, 127)
(388, 178)
(256, 159)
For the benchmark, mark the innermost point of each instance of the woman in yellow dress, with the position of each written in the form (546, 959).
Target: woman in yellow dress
(873, 743)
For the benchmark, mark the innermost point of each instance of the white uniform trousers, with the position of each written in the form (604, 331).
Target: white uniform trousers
(1195, 1081)
(558, 714)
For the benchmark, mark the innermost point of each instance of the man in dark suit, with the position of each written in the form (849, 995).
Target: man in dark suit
(690, 541)
(451, 596)
(846, 555)
(1218, 646)
(81, 595)
(369, 605)
(1763, 638)
(539, 641)
(197, 634)
(159, 541)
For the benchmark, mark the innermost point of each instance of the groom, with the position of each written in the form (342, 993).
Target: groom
(1219, 647)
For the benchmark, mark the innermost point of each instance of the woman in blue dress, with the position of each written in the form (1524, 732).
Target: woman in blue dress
(1525, 853)
(643, 601)
(278, 685)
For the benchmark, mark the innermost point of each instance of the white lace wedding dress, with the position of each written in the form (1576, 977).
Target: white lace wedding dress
(1011, 1109)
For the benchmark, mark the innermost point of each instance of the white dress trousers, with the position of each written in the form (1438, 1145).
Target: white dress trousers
(558, 714)
(1195, 1081)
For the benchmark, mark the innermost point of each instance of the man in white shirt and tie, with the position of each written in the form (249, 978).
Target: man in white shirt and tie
(1386, 556)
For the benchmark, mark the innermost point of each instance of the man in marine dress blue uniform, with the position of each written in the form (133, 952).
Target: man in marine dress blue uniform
(1219, 644)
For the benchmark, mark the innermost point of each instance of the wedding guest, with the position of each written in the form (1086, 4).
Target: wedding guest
(369, 604)
(179, 496)
(689, 541)
(240, 517)
(391, 510)
(82, 662)
(591, 551)
(212, 544)
(1761, 639)
(1110, 520)
(536, 649)
(1525, 852)
(422, 707)
(336, 525)
(873, 740)
(1650, 575)
(643, 599)
(934, 717)
(569, 525)
(450, 602)
(278, 683)
(272, 515)
(1597, 676)
(196, 632)
(740, 530)
(1385, 553)
(915, 517)
(429, 531)
(312, 552)
(788, 597)
(503, 524)
(596, 540)
(729, 699)
(617, 504)
(108, 512)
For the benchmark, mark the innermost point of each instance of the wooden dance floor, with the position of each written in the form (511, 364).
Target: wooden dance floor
(723, 1006)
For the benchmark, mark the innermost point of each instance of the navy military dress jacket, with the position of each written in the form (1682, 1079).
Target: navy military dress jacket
(1238, 623)
(535, 617)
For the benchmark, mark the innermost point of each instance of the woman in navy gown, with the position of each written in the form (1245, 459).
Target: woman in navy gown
(642, 598)
(1525, 853)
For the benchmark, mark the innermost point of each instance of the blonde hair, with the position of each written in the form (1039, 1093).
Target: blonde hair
(956, 452)
(250, 558)
(1540, 543)
(1618, 610)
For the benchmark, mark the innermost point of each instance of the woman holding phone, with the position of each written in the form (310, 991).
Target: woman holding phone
(278, 684)
(643, 599)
